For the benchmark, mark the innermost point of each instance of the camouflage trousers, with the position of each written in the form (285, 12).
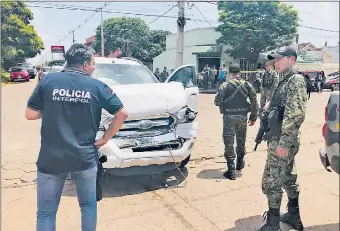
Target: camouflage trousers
(265, 97)
(280, 173)
(234, 125)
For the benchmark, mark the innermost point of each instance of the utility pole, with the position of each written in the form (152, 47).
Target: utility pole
(180, 33)
(101, 32)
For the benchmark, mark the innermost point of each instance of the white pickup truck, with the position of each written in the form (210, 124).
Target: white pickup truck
(161, 128)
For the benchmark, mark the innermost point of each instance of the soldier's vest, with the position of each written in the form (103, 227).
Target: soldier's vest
(236, 102)
(267, 81)
(276, 109)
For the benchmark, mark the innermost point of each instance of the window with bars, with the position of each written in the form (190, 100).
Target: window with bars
(243, 67)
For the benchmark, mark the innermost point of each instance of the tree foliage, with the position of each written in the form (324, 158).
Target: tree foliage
(133, 37)
(19, 40)
(250, 28)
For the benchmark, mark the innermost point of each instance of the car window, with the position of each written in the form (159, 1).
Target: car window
(312, 75)
(186, 75)
(16, 69)
(123, 74)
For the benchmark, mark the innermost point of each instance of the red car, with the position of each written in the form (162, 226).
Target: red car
(19, 73)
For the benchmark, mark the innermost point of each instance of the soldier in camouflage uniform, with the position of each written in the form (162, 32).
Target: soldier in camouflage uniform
(231, 98)
(269, 83)
(289, 101)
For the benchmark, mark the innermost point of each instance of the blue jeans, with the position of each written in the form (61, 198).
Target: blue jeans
(49, 190)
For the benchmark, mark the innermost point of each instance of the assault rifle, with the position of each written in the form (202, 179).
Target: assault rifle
(262, 129)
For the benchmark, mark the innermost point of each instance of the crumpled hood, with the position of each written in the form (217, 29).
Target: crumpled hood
(143, 100)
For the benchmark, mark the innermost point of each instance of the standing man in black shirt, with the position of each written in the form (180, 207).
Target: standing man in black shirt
(70, 104)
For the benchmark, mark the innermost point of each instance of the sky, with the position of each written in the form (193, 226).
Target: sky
(53, 25)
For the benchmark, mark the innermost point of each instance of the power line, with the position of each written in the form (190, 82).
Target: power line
(79, 26)
(108, 11)
(202, 15)
(162, 14)
(314, 28)
(65, 7)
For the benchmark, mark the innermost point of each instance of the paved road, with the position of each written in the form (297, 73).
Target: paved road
(204, 201)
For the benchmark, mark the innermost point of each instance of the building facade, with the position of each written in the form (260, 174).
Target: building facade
(200, 49)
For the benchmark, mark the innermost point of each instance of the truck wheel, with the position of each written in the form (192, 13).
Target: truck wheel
(185, 162)
(334, 87)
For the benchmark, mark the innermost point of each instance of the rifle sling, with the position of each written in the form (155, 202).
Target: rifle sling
(239, 88)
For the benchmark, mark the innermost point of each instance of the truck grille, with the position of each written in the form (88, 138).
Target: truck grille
(146, 127)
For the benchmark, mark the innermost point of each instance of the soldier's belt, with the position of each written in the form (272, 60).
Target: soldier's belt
(236, 110)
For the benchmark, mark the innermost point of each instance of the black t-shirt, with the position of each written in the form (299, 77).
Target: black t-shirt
(71, 103)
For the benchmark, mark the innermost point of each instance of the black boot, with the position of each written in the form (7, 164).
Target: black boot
(272, 220)
(293, 218)
(230, 174)
(240, 163)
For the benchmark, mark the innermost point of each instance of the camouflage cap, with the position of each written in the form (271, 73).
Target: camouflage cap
(285, 51)
(234, 68)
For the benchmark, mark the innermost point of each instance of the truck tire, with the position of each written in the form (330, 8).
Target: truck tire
(334, 87)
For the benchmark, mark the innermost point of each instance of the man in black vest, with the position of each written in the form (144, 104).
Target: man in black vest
(287, 110)
(231, 98)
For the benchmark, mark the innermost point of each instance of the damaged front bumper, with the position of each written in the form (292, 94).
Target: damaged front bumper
(145, 151)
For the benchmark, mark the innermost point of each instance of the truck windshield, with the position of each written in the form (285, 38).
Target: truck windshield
(123, 74)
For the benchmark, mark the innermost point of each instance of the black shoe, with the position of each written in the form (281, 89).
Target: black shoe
(272, 221)
(230, 174)
(240, 163)
(292, 217)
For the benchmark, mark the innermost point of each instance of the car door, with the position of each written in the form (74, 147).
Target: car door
(186, 75)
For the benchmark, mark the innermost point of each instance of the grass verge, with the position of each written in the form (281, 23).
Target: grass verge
(4, 78)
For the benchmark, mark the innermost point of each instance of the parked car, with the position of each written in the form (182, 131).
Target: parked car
(56, 69)
(29, 68)
(312, 74)
(19, 73)
(332, 82)
(337, 73)
(161, 128)
(331, 132)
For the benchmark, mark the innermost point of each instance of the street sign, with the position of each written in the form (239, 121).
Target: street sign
(58, 49)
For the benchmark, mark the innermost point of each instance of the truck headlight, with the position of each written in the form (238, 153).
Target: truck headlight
(185, 115)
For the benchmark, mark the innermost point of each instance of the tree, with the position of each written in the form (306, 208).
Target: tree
(157, 44)
(132, 36)
(250, 28)
(19, 40)
(128, 34)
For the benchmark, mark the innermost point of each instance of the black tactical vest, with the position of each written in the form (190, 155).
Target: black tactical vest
(235, 101)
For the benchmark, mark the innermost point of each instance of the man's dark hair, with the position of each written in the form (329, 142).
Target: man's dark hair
(77, 55)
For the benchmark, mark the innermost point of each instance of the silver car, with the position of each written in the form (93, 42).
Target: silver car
(330, 154)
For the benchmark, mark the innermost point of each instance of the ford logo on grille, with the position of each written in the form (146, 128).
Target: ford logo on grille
(145, 124)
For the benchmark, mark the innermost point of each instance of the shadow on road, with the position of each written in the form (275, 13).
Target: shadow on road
(16, 82)
(255, 222)
(215, 174)
(117, 186)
